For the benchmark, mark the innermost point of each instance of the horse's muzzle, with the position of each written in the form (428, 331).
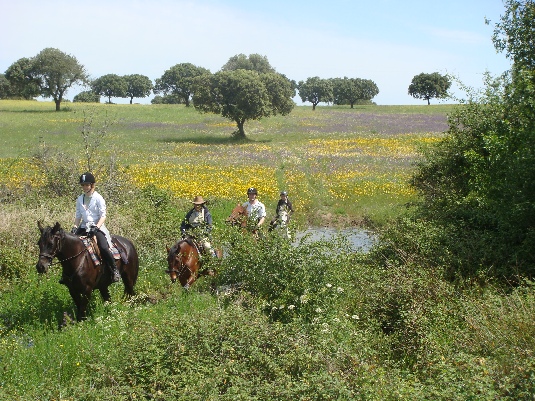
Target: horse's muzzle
(172, 275)
(42, 266)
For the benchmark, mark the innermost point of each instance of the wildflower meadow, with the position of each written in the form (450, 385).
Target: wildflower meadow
(282, 319)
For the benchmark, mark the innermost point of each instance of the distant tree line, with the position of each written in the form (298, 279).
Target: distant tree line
(245, 88)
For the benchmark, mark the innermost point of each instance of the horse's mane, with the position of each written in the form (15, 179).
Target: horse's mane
(48, 231)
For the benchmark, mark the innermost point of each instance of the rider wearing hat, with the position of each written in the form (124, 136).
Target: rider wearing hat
(89, 220)
(284, 205)
(255, 209)
(198, 222)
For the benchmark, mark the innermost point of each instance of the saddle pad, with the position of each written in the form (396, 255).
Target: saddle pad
(89, 245)
(115, 252)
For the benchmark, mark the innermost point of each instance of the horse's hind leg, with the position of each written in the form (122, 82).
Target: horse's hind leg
(128, 282)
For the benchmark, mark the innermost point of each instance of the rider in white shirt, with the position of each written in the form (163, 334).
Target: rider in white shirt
(89, 220)
(255, 209)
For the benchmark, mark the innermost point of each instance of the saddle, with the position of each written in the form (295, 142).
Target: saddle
(194, 242)
(117, 250)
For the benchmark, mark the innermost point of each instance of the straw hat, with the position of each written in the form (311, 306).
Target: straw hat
(198, 200)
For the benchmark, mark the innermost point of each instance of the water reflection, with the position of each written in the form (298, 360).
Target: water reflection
(360, 240)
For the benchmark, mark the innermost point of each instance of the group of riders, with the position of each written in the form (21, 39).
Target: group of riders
(91, 214)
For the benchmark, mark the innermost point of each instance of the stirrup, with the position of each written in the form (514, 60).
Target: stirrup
(115, 275)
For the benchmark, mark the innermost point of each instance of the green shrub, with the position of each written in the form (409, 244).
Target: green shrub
(87, 97)
(12, 264)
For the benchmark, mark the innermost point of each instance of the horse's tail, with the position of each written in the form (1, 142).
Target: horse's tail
(129, 262)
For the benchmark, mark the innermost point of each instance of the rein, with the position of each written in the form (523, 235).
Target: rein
(184, 265)
(58, 246)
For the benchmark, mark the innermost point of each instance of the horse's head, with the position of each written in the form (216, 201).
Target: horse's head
(49, 245)
(171, 262)
(283, 217)
(238, 216)
(183, 261)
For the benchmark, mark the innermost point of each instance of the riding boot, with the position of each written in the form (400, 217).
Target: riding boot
(110, 261)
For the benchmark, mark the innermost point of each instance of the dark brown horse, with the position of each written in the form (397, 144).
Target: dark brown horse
(185, 261)
(80, 274)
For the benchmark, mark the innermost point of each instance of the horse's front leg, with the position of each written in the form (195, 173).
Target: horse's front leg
(81, 300)
(190, 281)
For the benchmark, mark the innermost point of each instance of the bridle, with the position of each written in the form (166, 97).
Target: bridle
(57, 248)
(238, 217)
(183, 265)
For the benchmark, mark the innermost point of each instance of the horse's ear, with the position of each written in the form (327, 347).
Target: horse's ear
(57, 227)
(168, 249)
(40, 225)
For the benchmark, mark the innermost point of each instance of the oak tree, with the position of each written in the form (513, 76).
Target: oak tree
(56, 72)
(316, 90)
(429, 86)
(178, 81)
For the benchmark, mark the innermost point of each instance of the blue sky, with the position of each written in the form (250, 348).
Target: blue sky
(387, 41)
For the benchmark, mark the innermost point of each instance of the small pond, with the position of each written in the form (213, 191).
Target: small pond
(360, 240)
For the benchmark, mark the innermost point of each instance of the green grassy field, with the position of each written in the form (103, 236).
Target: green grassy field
(311, 321)
(337, 163)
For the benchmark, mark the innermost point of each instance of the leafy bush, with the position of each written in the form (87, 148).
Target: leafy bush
(12, 264)
(290, 281)
(87, 97)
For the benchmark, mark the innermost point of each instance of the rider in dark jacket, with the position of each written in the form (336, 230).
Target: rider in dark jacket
(198, 223)
(284, 205)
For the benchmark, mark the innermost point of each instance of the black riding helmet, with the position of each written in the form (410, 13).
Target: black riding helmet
(87, 178)
(252, 191)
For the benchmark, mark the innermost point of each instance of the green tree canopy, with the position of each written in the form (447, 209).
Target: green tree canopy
(353, 90)
(56, 72)
(429, 86)
(137, 86)
(316, 90)
(242, 95)
(87, 97)
(110, 85)
(514, 34)
(5, 87)
(178, 81)
(21, 82)
(478, 184)
(167, 99)
(254, 62)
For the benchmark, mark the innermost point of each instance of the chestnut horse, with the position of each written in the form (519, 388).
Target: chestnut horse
(238, 217)
(80, 274)
(184, 261)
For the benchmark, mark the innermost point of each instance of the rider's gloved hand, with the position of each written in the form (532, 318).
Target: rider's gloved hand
(92, 231)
